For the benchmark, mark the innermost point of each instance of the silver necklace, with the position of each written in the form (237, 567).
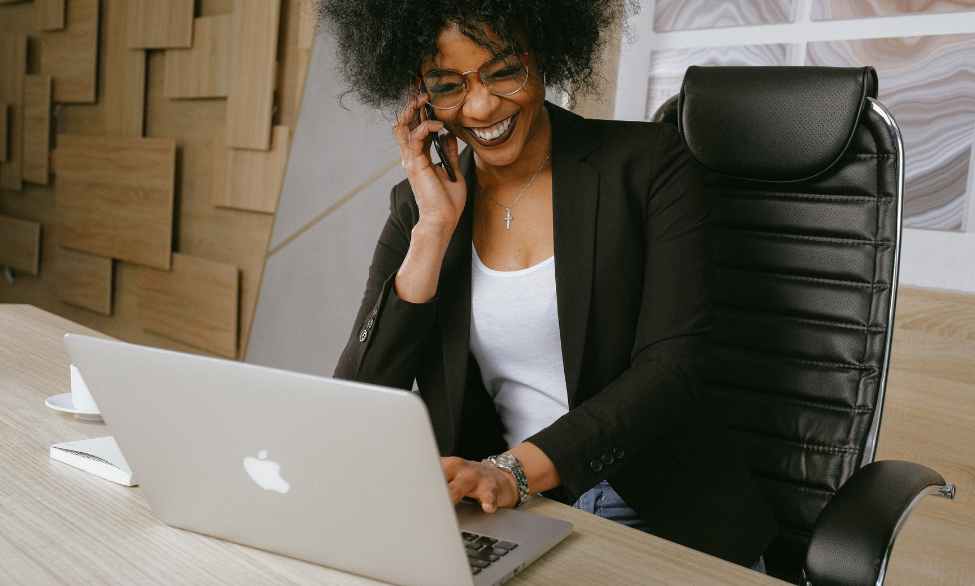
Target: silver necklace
(507, 209)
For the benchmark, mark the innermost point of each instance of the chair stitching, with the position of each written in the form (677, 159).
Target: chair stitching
(789, 236)
(809, 446)
(873, 299)
(818, 322)
(840, 282)
(728, 390)
(811, 196)
(806, 361)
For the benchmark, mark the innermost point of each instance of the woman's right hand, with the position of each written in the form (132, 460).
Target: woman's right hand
(440, 200)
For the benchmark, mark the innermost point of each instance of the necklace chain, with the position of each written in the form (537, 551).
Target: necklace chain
(507, 209)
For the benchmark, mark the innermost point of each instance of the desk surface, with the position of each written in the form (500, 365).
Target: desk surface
(59, 525)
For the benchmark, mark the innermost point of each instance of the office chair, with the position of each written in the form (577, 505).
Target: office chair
(805, 169)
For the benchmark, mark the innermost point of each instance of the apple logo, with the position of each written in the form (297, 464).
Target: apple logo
(266, 473)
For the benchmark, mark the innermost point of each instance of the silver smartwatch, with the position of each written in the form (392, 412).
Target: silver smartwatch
(507, 461)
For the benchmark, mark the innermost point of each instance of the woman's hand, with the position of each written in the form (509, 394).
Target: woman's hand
(493, 487)
(440, 200)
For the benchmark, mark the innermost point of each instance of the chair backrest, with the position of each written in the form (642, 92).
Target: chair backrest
(805, 168)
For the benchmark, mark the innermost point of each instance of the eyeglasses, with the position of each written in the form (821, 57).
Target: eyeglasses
(504, 76)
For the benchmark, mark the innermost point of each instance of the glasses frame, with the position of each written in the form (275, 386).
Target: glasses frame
(524, 61)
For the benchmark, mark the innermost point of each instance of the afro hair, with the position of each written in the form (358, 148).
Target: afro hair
(381, 43)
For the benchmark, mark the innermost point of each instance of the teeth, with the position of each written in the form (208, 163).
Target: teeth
(494, 131)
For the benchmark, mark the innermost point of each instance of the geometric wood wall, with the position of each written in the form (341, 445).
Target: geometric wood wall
(114, 196)
(20, 244)
(203, 70)
(195, 301)
(37, 129)
(136, 105)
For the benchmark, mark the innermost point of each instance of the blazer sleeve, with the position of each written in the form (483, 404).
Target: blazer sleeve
(388, 332)
(656, 392)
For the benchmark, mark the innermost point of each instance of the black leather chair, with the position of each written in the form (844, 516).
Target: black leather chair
(806, 171)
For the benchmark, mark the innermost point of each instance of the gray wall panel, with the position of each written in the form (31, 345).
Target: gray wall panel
(313, 286)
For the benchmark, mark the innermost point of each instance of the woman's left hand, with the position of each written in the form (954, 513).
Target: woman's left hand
(493, 487)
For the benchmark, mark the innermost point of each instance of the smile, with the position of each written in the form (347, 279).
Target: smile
(496, 134)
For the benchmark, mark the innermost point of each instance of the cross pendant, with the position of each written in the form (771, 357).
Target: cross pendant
(507, 218)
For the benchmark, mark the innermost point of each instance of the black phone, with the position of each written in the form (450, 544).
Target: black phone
(438, 144)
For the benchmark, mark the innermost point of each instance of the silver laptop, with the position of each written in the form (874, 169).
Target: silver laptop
(338, 473)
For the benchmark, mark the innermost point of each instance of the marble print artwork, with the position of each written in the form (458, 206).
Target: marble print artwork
(667, 67)
(848, 9)
(676, 15)
(929, 85)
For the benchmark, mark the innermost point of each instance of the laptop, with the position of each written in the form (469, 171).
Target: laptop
(339, 473)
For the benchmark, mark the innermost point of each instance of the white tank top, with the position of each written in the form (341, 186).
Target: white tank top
(515, 340)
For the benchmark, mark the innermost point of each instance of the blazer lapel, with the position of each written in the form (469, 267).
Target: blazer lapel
(575, 203)
(575, 195)
(455, 305)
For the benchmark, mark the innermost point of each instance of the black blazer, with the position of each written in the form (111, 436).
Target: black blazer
(631, 271)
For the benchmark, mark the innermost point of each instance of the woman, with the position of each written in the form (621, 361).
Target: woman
(551, 302)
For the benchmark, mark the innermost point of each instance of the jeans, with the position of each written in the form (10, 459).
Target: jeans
(603, 501)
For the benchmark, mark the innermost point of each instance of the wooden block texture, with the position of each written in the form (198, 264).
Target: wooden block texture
(195, 303)
(37, 129)
(20, 244)
(13, 70)
(255, 38)
(84, 280)
(70, 56)
(124, 87)
(202, 71)
(4, 130)
(49, 15)
(114, 196)
(160, 24)
(252, 179)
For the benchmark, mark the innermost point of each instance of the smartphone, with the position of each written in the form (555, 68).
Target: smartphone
(438, 144)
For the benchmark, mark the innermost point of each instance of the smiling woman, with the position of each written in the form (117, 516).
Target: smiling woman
(550, 299)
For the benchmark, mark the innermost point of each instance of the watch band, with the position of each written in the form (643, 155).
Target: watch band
(508, 461)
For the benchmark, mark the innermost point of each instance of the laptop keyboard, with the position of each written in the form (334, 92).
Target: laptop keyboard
(482, 551)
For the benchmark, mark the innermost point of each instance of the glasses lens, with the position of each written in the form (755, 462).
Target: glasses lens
(506, 76)
(446, 89)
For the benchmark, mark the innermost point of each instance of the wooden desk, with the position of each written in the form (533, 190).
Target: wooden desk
(59, 525)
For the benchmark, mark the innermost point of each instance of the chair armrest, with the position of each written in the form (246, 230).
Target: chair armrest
(854, 534)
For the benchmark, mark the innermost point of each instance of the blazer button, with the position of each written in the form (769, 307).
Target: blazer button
(607, 458)
(362, 335)
(618, 452)
(596, 465)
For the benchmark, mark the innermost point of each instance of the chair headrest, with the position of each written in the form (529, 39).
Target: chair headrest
(772, 123)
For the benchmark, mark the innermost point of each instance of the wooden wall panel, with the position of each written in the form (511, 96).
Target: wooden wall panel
(84, 280)
(114, 196)
(202, 71)
(20, 244)
(196, 303)
(13, 70)
(252, 73)
(71, 56)
(49, 15)
(251, 179)
(37, 128)
(4, 130)
(123, 80)
(199, 228)
(307, 27)
(160, 24)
